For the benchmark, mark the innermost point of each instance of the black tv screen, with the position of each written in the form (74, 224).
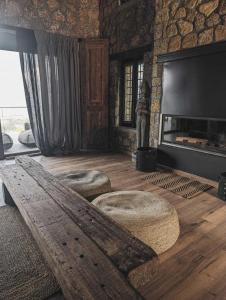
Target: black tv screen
(195, 86)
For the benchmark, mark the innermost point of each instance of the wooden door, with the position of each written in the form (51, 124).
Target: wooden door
(94, 69)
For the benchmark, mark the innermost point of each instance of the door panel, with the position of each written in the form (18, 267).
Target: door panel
(95, 94)
(96, 132)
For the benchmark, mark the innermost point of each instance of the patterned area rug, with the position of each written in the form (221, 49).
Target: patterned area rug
(182, 186)
(24, 274)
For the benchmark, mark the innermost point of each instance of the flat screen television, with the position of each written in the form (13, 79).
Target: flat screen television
(195, 85)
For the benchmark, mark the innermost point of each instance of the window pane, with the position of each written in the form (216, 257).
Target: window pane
(133, 77)
(128, 93)
(140, 76)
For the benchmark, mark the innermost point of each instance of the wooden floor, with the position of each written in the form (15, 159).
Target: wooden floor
(195, 268)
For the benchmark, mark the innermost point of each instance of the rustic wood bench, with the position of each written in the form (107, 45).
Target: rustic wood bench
(90, 255)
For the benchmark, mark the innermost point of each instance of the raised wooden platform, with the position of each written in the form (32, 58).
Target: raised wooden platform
(91, 256)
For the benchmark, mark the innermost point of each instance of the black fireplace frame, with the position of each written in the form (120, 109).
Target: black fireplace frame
(189, 147)
(196, 161)
(192, 52)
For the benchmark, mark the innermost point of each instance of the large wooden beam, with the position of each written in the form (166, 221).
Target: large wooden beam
(87, 251)
(125, 251)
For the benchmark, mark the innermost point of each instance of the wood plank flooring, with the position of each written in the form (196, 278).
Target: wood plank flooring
(195, 268)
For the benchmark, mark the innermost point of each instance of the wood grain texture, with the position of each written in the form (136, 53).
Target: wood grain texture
(195, 268)
(94, 74)
(124, 250)
(87, 251)
(80, 267)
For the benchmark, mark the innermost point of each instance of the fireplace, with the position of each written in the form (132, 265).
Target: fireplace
(193, 110)
(204, 135)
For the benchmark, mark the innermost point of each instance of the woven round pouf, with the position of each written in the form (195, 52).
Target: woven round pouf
(26, 138)
(88, 183)
(146, 215)
(7, 141)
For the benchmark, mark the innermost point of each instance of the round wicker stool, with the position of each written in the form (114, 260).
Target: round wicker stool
(26, 138)
(88, 183)
(146, 215)
(7, 141)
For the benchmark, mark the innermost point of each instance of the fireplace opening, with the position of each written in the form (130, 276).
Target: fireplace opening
(200, 134)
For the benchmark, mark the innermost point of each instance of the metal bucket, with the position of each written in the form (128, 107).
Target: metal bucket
(222, 186)
(146, 159)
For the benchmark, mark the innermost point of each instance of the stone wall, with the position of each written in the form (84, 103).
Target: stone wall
(127, 27)
(181, 24)
(78, 18)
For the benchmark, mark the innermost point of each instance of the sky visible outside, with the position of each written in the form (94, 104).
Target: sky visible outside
(11, 81)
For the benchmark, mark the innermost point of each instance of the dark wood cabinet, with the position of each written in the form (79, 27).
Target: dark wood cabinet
(94, 85)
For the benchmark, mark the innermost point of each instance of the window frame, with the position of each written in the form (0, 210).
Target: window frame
(135, 64)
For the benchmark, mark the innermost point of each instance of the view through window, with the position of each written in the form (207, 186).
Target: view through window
(15, 125)
(132, 76)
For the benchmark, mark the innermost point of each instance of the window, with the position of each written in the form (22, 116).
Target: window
(15, 134)
(132, 76)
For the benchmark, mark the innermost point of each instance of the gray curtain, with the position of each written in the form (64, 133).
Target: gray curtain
(52, 86)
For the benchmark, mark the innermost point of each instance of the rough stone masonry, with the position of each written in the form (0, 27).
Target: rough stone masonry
(68, 17)
(181, 24)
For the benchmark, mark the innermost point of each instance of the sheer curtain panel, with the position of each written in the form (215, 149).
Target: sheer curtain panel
(52, 86)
